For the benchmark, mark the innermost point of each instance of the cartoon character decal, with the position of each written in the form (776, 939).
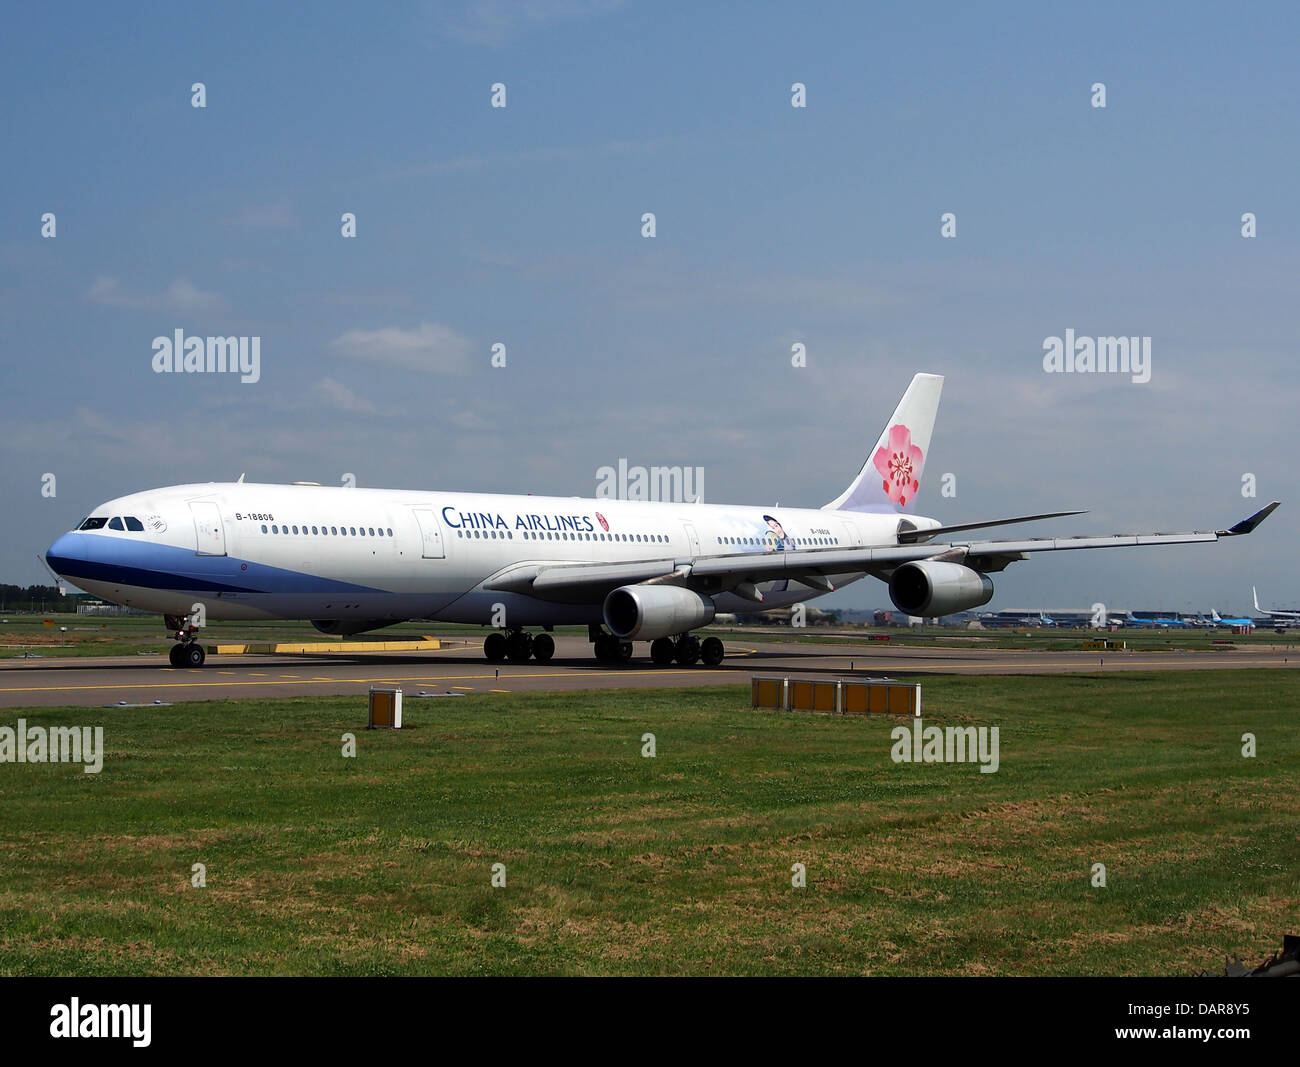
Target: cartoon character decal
(775, 540)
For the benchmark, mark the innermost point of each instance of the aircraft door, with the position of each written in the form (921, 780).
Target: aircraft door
(430, 534)
(210, 534)
(692, 539)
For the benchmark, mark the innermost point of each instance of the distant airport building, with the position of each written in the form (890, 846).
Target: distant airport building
(99, 607)
(1066, 617)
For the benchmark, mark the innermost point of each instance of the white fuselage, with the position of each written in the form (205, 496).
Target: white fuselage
(248, 551)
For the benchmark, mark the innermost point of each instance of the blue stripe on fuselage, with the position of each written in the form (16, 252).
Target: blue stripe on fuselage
(123, 561)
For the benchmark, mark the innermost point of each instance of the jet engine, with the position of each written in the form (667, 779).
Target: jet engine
(348, 627)
(927, 588)
(645, 612)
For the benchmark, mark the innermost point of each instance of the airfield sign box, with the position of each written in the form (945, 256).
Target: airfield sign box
(846, 696)
(385, 708)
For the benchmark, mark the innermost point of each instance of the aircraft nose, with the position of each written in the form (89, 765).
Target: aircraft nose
(64, 553)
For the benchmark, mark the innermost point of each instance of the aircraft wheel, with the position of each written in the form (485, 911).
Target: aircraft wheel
(661, 651)
(494, 647)
(519, 646)
(543, 647)
(193, 655)
(174, 655)
(712, 651)
(687, 650)
(624, 652)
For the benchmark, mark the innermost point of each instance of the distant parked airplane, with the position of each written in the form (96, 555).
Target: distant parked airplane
(1279, 616)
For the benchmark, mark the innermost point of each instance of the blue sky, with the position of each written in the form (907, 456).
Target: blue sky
(775, 225)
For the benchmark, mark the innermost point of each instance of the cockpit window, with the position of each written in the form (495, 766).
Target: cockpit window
(93, 524)
(134, 524)
(115, 523)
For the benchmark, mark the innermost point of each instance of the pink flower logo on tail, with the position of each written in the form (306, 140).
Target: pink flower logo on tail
(900, 465)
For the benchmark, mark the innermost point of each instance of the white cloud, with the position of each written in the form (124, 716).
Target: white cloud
(493, 22)
(265, 216)
(428, 347)
(180, 296)
(337, 395)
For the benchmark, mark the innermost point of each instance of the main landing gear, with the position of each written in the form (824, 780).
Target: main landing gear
(609, 649)
(188, 652)
(685, 649)
(518, 646)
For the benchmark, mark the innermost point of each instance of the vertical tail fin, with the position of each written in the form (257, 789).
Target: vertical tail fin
(891, 476)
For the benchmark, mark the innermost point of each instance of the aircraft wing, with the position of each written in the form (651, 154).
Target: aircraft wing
(587, 582)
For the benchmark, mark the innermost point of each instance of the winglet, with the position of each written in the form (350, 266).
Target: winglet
(1248, 525)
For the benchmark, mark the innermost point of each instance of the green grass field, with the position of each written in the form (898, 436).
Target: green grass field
(679, 864)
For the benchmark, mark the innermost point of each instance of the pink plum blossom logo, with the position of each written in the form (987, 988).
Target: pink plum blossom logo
(900, 465)
(604, 525)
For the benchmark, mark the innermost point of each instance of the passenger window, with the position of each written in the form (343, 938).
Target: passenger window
(93, 524)
(314, 530)
(352, 530)
(115, 523)
(275, 529)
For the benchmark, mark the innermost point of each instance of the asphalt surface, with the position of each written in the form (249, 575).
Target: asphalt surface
(101, 682)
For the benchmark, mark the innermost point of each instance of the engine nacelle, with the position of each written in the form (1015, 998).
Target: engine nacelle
(927, 588)
(645, 612)
(348, 627)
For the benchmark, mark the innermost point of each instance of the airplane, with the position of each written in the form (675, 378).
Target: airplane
(1280, 617)
(1219, 620)
(351, 560)
(1160, 623)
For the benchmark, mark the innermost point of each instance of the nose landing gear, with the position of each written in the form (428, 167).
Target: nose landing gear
(188, 652)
